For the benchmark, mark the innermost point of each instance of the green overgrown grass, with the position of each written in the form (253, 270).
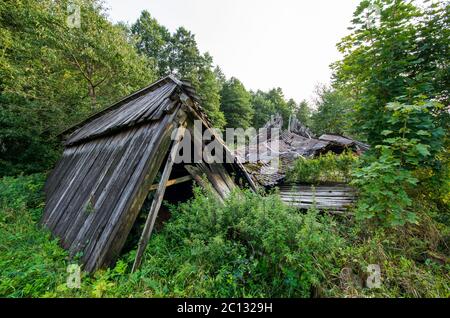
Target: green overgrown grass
(30, 261)
(252, 246)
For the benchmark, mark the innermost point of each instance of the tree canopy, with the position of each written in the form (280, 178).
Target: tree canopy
(236, 104)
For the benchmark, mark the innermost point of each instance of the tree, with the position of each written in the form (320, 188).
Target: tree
(267, 104)
(263, 107)
(209, 88)
(179, 54)
(333, 113)
(109, 65)
(303, 113)
(276, 96)
(221, 78)
(236, 104)
(153, 40)
(401, 55)
(185, 58)
(54, 76)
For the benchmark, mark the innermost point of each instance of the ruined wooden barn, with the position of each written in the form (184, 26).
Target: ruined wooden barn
(111, 162)
(295, 142)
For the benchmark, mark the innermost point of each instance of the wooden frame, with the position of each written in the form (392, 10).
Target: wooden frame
(159, 195)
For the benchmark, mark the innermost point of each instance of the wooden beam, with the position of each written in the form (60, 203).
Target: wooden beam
(189, 103)
(157, 200)
(197, 174)
(172, 182)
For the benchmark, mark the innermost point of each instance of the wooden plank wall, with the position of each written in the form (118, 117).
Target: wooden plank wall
(108, 166)
(97, 189)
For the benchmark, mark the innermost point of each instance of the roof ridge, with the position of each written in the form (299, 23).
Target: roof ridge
(121, 102)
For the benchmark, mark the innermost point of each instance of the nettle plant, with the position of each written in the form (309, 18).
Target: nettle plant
(412, 141)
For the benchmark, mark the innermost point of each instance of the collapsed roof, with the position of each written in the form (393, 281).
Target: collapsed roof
(295, 142)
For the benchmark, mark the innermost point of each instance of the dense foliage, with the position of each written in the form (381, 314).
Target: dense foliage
(324, 168)
(54, 75)
(398, 51)
(236, 104)
(413, 143)
(250, 246)
(391, 89)
(333, 113)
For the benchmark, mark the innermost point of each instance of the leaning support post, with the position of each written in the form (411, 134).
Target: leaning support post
(156, 204)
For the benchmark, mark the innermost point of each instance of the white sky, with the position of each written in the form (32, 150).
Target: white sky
(264, 43)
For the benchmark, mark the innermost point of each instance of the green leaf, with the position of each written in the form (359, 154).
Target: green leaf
(423, 133)
(423, 149)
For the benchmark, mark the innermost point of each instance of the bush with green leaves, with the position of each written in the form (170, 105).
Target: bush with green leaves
(249, 246)
(413, 141)
(383, 186)
(329, 167)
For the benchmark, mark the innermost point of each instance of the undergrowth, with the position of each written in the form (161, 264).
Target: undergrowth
(251, 246)
(328, 167)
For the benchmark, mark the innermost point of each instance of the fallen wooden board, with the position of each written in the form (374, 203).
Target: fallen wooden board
(172, 182)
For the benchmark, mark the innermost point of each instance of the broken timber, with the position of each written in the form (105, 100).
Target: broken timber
(334, 199)
(157, 200)
(109, 164)
(172, 182)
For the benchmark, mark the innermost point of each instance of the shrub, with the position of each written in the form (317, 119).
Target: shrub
(413, 143)
(325, 168)
(383, 196)
(250, 246)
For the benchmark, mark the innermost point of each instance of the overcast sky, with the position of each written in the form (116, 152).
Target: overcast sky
(264, 43)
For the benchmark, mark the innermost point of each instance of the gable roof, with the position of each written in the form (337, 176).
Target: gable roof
(110, 161)
(145, 105)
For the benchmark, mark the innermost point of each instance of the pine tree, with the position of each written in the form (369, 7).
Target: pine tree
(236, 104)
(303, 113)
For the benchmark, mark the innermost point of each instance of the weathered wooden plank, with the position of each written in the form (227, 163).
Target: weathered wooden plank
(319, 204)
(220, 170)
(229, 155)
(132, 208)
(58, 173)
(124, 115)
(119, 188)
(60, 198)
(157, 200)
(196, 174)
(126, 209)
(122, 167)
(309, 206)
(215, 180)
(310, 199)
(59, 186)
(320, 194)
(172, 182)
(75, 205)
(113, 151)
(297, 188)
